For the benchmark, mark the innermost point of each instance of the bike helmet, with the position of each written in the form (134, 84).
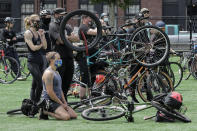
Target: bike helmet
(9, 20)
(103, 14)
(160, 24)
(45, 12)
(144, 10)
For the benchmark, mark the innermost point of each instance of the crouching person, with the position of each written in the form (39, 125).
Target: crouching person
(52, 92)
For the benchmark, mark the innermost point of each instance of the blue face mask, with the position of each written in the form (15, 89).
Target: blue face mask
(58, 63)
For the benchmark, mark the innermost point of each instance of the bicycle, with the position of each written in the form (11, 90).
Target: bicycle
(9, 67)
(121, 108)
(147, 39)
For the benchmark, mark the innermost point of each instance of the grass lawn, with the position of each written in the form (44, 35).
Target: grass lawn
(12, 95)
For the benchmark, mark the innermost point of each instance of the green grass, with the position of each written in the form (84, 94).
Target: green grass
(12, 95)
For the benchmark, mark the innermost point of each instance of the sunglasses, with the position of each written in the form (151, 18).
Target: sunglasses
(146, 12)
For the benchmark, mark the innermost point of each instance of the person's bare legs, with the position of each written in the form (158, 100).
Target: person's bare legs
(71, 112)
(82, 93)
(60, 114)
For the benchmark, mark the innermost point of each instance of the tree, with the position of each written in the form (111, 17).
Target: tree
(112, 3)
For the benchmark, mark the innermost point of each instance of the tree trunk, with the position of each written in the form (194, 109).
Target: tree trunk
(112, 14)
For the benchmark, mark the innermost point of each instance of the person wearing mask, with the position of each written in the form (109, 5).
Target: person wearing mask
(146, 14)
(9, 36)
(89, 33)
(52, 91)
(67, 69)
(104, 19)
(45, 17)
(36, 41)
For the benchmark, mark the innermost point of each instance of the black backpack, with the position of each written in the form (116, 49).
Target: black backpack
(29, 108)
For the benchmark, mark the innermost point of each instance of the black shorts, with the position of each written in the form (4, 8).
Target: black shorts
(52, 106)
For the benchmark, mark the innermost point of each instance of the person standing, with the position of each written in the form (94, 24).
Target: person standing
(9, 36)
(45, 17)
(67, 69)
(36, 41)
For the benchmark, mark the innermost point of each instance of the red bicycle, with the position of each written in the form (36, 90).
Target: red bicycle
(9, 67)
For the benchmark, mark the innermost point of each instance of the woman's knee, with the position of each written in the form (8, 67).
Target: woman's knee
(65, 116)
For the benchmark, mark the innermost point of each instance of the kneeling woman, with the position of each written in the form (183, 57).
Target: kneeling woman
(52, 91)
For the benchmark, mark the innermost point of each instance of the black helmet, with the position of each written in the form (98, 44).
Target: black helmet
(9, 20)
(45, 12)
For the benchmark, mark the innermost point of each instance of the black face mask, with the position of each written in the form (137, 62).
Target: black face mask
(59, 19)
(36, 25)
(46, 21)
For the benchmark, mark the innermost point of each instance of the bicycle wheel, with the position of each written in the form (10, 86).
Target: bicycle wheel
(103, 113)
(73, 19)
(14, 112)
(151, 84)
(23, 66)
(171, 113)
(150, 45)
(175, 72)
(96, 101)
(186, 64)
(9, 70)
(193, 68)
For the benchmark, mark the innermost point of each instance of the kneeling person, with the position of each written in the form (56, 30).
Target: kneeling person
(52, 91)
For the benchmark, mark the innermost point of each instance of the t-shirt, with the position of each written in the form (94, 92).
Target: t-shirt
(62, 49)
(84, 28)
(9, 35)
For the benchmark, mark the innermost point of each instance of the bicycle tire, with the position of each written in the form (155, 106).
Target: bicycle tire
(173, 69)
(102, 111)
(149, 52)
(66, 20)
(147, 94)
(23, 66)
(187, 69)
(14, 112)
(96, 101)
(8, 75)
(172, 113)
(193, 68)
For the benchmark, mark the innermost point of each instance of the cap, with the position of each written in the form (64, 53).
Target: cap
(144, 10)
(59, 11)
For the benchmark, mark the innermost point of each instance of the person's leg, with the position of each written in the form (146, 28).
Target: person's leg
(60, 114)
(67, 75)
(72, 113)
(84, 77)
(33, 86)
(37, 81)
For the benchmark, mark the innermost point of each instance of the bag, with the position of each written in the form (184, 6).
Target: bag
(161, 117)
(29, 108)
(173, 100)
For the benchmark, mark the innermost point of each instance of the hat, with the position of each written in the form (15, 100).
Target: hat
(59, 11)
(144, 10)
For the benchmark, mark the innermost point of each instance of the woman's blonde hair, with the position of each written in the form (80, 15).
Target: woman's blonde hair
(28, 20)
(51, 55)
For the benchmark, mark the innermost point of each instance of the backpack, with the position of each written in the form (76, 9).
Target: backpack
(29, 108)
(173, 100)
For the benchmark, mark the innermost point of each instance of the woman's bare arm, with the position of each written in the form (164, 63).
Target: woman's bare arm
(28, 39)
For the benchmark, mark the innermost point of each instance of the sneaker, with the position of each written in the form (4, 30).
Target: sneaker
(21, 78)
(41, 115)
